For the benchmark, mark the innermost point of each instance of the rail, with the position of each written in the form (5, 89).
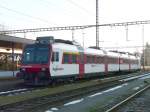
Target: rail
(115, 107)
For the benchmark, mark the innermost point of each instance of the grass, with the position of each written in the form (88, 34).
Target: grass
(44, 92)
(147, 80)
(8, 78)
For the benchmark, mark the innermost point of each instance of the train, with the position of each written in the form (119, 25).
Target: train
(49, 60)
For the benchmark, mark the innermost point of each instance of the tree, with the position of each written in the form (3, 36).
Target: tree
(145, 58)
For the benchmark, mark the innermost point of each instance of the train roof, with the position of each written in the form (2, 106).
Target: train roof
(94, 51)
(64, 41)
(127, 55)
(66, 47)
(76, 48)
(72, 46)
(134, 57)
(124, 56)
(112, 54)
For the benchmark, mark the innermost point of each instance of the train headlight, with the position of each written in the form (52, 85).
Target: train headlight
(43, 69)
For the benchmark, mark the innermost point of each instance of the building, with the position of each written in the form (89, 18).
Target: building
(11, 50)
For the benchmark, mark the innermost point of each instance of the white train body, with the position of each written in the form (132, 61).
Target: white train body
(91, 67)
(72, 61)
(58, 68)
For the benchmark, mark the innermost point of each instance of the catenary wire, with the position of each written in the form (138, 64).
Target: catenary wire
(23, 14)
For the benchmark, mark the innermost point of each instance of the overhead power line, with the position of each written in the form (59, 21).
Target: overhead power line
(63, 12)
(80, 7)
(127, 23)
(73, 27)
(45, 29)
(23, 14)
(122, 47)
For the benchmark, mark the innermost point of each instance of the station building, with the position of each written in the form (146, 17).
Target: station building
(10, 51)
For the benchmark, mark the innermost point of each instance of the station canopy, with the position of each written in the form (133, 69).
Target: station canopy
(9, 42)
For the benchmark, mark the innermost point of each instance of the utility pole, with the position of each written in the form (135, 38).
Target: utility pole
(13, 61)
(72, 35)
(83, 37)
(143, 47)
(127, 39)
(97, 27)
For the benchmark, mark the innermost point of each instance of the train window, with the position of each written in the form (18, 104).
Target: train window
(93, 59)
(74, 58)
(108, 59)
(88, 58)
(101, 59)
(55, 56)
(28, 55)
(97, 60)
(126, 61)
(66, 58)
(113, 60)
(35, 54)
(134, 62)
(116, 60)
(137, 62)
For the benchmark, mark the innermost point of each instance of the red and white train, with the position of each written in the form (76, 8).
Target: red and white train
(48, 60)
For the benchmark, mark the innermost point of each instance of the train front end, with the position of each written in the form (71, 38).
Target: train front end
(35, 64)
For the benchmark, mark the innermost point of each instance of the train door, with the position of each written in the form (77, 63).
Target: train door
(55, 63)
(106, 64)
(129, 62)
(119, 63)
(81, 65)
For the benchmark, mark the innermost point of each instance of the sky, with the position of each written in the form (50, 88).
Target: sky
(25, 14)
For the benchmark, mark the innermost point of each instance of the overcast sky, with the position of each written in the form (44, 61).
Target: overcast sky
(21, 14)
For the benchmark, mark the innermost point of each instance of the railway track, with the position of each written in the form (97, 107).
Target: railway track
(23, 89)
(52, 99)
(119, 105)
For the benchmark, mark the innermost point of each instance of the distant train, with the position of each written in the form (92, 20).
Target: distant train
(52, 59)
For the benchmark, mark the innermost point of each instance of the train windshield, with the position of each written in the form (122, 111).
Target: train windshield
(36, 55)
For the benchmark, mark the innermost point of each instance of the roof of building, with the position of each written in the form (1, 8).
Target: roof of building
(6, 41)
